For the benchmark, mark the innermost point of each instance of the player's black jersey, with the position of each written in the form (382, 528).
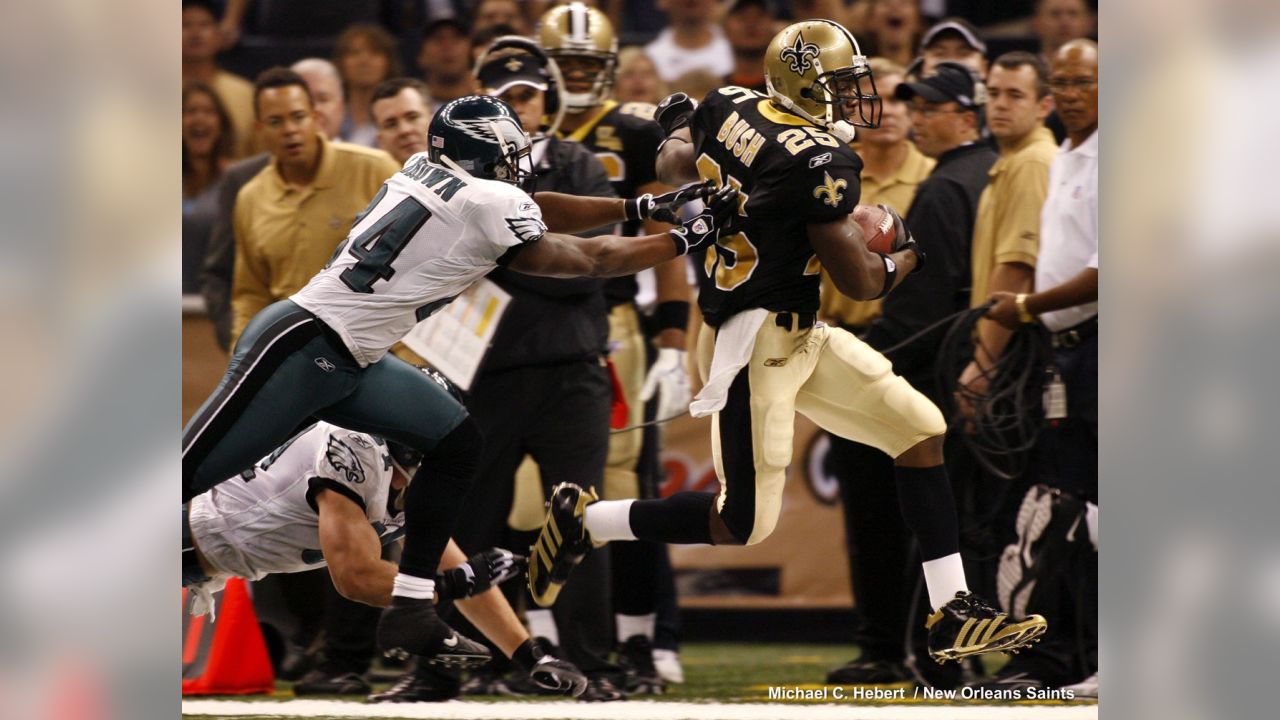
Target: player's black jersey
(790, 173)
(625, 140)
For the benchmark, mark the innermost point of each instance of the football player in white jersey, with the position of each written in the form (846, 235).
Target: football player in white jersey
(329, 496)
(445, 220)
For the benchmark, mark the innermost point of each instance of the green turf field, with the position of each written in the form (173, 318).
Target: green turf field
(714, 673)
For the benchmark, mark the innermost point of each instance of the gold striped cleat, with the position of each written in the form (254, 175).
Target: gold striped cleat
(968, 625)
(561, 544)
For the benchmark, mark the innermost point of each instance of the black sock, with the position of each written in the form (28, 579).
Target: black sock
(929, 508)
(434, 499)
(683, 518)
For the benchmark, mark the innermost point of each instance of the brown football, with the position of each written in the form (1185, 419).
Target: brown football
(877, 226)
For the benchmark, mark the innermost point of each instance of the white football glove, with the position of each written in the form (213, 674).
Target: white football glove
(668, 374)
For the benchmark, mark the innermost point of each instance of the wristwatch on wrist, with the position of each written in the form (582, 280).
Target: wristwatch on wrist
(1020, 300)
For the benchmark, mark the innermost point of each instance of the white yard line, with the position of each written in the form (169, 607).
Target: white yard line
(633, 710)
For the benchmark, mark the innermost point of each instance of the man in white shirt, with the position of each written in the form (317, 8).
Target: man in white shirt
(693, 42)
(1066, 302)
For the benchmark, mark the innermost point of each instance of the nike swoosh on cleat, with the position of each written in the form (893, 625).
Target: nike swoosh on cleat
(451, 641)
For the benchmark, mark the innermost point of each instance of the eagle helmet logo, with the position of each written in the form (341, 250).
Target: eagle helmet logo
(800, 55)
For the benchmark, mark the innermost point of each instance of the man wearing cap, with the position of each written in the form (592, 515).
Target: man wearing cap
(957, 40)
(944, 109)
(445, 61)
(543, 388)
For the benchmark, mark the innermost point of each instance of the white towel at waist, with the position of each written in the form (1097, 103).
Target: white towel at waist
(734, 343)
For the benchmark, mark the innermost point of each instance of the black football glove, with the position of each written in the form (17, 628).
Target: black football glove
(902, 239)
(674, 112)
(550, 673)
(479, 573)
(663, 207)
(703, 230)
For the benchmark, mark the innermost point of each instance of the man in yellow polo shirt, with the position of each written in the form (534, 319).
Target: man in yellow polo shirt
(1006, 233)
(892, 169)
(290, 217)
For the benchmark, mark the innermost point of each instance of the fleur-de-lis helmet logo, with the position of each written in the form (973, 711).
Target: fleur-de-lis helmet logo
(800, 55)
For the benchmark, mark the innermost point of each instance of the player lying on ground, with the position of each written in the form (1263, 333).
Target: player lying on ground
(445, 220)
(762, 355)
(330, 496)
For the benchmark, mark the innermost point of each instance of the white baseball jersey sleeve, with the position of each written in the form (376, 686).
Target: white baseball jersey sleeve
(265, 520)
(428, 235)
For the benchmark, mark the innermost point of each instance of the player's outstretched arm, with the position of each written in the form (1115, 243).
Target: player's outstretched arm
(573, 213)
(612, 256)
(353, 551)
(856, 271)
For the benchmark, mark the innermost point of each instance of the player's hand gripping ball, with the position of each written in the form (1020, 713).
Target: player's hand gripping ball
(885, 231)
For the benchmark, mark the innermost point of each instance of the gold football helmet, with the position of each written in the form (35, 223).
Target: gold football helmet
(816, 70)
(582, 41)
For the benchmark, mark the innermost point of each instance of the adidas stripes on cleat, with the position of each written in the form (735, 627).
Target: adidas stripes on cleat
(968, 625)
(561, 544)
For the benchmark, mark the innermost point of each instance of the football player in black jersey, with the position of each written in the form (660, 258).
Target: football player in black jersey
(761, 353)
(625, 139)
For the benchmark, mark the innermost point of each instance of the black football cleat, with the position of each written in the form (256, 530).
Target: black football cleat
(640, 677)
(423, 684)
(868, 672)
(601, 689)
(968, 625)
(323, 682)
(411, 627)
(561, 544)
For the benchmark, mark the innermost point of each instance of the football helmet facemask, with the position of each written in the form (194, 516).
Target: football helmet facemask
(481, 136)
(574, 35)
(816, 70)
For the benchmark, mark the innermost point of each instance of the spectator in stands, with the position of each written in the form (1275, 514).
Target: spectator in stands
(638, 79)
(1006, 236)
(207, 145)
(445, 61)
(482, 39)
(893, 30)
(1057, 21)
(200, 44)
(290, 217)
(875, 535)
(1065, 301)
(219, 260)
(957, 40)
(400, 112)
(499, 12)
(365, 55)
(694, 41)
(749, 28)
(326, 90)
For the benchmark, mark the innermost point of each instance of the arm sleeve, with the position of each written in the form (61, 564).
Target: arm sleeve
(1018, 225)
(507, 220)
(353, 465)
(250, 288)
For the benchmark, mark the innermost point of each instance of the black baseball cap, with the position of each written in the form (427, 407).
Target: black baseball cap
(950, 82)
(501, 74)
(956, 26)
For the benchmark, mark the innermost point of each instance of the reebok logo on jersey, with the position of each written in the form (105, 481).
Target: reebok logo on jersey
(775, 362)
(324, 364)
(819, 161)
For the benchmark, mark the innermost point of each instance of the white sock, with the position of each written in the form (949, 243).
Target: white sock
(413, 587)
(1091, 520)
(945, 578)
(632, 625)
(609, 520)
(542, 624)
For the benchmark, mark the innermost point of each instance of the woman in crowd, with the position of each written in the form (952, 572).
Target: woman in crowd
(365, 55)
(208, 143)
